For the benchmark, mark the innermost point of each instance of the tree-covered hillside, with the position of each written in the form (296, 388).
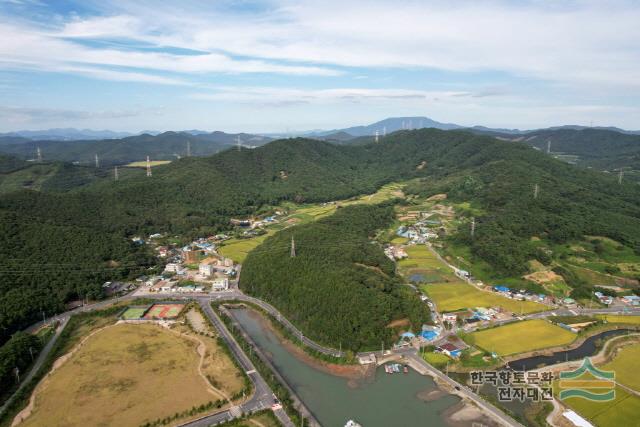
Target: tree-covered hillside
(500, 179)
(165, 146)
(340, 289)
(91, 222)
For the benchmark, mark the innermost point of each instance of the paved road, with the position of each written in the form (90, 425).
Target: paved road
(262, 397)
(39, 361)
(419, 363)
(287, 324)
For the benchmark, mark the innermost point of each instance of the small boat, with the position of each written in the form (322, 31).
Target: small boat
(396, 368)
(352, 423)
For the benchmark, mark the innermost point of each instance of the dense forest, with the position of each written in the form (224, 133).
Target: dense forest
(165, 146)
(17, 354)
(601, 149)
(500, 178)
(340, 289)
(80, 222)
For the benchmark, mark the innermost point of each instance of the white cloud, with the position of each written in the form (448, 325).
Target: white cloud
(584, 41)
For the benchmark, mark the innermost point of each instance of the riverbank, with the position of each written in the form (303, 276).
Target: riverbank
(353, 373)
(580, 340)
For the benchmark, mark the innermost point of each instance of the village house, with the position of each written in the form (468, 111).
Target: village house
(220, 284)
(450, 350)
(173, 267)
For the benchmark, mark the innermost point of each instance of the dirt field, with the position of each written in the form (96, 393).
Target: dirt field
(143, 163)
(520, 337)
(458, 296)
(124, 375)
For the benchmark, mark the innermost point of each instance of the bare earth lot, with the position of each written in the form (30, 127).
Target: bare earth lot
(123, 375)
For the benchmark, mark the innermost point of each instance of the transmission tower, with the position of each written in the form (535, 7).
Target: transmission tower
(377, 136)
(293, 248)
(536, 189)
(188, 148)
(384, 131)
(115, 173)
(473, 226)
(148, 166)
(620, 175)
(238, 142)
(548, 146)
(39, 154)
(97, 161)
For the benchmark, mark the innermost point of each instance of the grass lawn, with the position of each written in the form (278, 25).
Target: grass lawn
(458, 296)
(520, 337)
(625, 365)
(123, 375)
(134, 313)
(237, 249)
(631, 320)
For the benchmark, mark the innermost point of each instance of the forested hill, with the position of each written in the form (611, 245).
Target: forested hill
(199, 195)
(340, 289)
(599, 148)
(164, 146)
(500, 179)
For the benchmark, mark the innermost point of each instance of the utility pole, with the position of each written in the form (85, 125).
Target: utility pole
(16, 371)
(31, 352)
(293, 248)
(536, 190)
(148, 166)
(39, 155)
(115, 173)
(97, 161)
(473, 226)
(188, 148)
(620, 174)
(377, 136)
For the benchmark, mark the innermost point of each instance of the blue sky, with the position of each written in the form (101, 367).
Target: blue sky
(269, 66)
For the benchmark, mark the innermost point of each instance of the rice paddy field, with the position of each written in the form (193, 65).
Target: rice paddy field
(123, 375)
(625, 365)
(237, 249)
(422, 266)
(630, 320)
(625, 408)
(459, 296)
(622, 411)
(522, 337)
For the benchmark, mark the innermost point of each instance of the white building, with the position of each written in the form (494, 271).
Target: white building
(173, 267)
(221, 284)
(206, 269)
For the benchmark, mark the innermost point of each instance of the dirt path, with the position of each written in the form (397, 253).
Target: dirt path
(257, 423)
(202, 352)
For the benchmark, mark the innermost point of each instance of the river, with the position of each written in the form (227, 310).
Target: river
(380, 400)
(586, 349)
